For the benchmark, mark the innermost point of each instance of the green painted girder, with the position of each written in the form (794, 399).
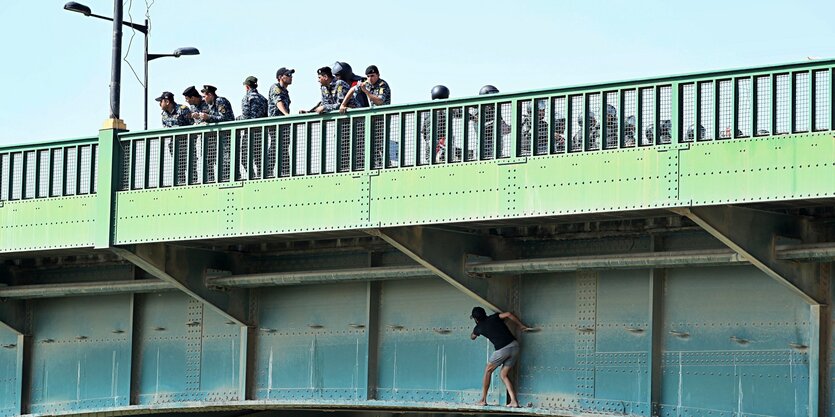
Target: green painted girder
(790, 167)
(45, 224)
(287, 205)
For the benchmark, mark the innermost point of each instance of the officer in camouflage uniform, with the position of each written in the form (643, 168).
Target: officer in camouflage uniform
(196, 104)
(220, 109)
(279, 103)
(253, 105)
(334, 93)
(173, 114)
(375, 88)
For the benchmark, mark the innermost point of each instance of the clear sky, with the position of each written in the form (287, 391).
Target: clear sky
(56, 64)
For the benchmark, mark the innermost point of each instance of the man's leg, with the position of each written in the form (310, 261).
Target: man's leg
(485, 383)
(506, 379)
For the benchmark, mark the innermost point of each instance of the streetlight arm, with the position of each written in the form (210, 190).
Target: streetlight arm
(137, 26)
(152, 57)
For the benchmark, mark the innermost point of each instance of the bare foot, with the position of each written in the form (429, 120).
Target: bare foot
(481, 403)
(513, 405)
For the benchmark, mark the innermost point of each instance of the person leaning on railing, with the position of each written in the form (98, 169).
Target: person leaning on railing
(375, 88)
(334, 93)
(253, 105)
(220, 109)
(196, 104)
(173, 114)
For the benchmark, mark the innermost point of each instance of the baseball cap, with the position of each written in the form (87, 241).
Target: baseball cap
(166, 95)
(284, 71)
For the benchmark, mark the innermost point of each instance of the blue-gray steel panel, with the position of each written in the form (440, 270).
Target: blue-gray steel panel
(312, 342)
(425, 350)
(81, 353)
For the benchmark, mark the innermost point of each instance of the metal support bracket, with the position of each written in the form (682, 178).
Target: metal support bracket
(183, 268)
(444, 252)
(753, 235)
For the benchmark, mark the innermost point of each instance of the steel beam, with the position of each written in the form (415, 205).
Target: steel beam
(321, 277)
(612, 261)
(444, 252)
(656, 333)
(84, 288)
(753, 235)
(183, 269)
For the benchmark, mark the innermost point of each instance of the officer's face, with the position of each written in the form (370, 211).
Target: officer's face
(166, 104)
(209, 97)
(193, 100)
(372, 77)
(323, 80)
(287, 79)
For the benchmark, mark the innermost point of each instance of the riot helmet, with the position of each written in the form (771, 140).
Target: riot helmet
(440, 92)
(488, 89)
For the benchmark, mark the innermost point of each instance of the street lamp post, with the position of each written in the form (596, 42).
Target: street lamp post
(116, 67)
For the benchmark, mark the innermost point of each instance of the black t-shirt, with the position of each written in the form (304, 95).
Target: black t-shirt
(493, 328)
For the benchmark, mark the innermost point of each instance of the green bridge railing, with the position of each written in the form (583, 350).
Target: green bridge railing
(725, 105)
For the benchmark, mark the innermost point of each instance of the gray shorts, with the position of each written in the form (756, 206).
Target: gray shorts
(506, 356)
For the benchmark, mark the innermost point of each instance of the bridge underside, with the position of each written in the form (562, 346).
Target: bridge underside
(693, 312)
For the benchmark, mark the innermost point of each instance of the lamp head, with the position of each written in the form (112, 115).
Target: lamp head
(186, 51)
(78, 8)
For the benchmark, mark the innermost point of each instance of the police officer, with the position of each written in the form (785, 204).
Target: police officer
(173, 114)
(375, 88)
(342, 71)
(334, 93)
(196, 104)
(253, 105)
(279, 103)
(220, 109)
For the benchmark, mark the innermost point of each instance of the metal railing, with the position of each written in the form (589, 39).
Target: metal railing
(57, 169)
(777, 100)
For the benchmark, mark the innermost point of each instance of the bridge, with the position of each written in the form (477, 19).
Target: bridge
(670, 239)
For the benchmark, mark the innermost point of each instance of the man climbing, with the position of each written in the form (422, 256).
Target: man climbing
(494, 328)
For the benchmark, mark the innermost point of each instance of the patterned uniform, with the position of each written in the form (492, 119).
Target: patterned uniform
(201, 107)
(380, 89)
(334, 93)
(180, 115)
(278, 93)
(221, 111)
(253, 105)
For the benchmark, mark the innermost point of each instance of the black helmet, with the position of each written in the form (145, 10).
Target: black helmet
(488, 89)
(342, 70)
(440, 92)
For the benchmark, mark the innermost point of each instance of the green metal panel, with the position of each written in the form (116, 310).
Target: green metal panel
(759, 169)
(593, 182)
(286, 205)
(456, 192)
(52, 223)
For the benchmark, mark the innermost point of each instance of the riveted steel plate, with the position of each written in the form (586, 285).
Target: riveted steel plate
(614, 180)
(50, 223)
(428, 194)
(286, 205)
(312, 342)
(760, 169)
(425, 350)
(80, 354)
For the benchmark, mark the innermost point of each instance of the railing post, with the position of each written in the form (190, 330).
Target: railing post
(108, 175)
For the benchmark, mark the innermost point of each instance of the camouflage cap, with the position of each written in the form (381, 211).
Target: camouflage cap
(251, 81)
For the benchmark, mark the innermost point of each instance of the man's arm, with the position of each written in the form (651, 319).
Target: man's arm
(348, 96)
(514, 319)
